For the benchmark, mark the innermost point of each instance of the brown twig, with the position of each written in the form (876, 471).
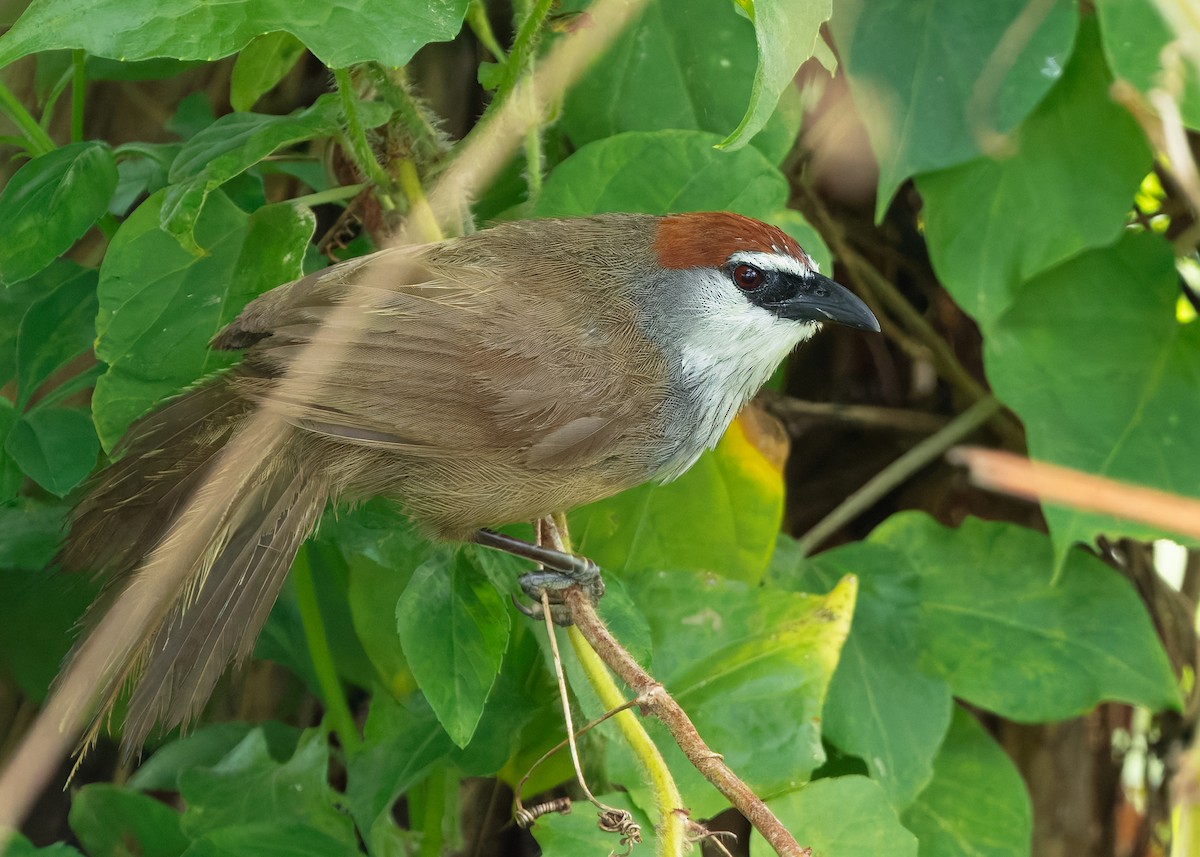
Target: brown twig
(790, 409)
(660, 704)
(1050, 483)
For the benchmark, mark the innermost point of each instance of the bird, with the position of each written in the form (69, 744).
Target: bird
(522, 370)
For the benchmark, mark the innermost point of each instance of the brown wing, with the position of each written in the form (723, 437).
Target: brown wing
(433, 358)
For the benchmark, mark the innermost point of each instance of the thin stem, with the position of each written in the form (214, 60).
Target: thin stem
(670, 804)
(477, 20)
(661, 704)
(666, 794)
(37, 141)
(898, 471)
(338, 709)
(524, 46)
(78, 95)
(356, 137)
(422, 135)
(422, 223)
(940, 353)
(333, 194)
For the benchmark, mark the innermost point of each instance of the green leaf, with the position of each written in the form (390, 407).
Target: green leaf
(55, 447)
(236, 142)
(696, 77)
(976, 805)
(160, 305)
(722, 515)
(1135, 36)
(141, 169)
(248, 785)
(787, 32)
(1010, 639)
(881, 707)
(57, 328)
(935, 80)
(118, 821)
(1104, 322)
(39, 609)
(11, 476)
(338, 34)
(49, 203)
(15, 301)
(454, 628)
(772, 651)
(992, 224)
(19, 846)
(272, 839)
(661, 172)
(381, 549)
(401, 742)
(29, 534)
(841, 817)
(205, 747)
(261, 65)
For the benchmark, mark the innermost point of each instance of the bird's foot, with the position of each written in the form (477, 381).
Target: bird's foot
(560, 571)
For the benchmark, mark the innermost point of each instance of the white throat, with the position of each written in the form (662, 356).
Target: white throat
(726, 349)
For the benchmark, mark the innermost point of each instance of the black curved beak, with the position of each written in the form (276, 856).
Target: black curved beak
(820, 299)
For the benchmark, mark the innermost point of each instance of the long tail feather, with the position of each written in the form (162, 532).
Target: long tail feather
(130, 524)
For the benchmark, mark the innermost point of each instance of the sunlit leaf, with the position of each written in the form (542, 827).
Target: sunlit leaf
(787, 32)
(881, 706)
(715, 640)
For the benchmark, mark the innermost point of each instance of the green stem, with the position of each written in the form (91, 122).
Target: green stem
(78, 94)
(356, 136)
(37, 141)
(533, 162)
(477, 20)
(333, 194)
(898, 471)
(336, 706)
(429, 802)
(671, 830)
(666, 793)
(427, 143)
(524, 45)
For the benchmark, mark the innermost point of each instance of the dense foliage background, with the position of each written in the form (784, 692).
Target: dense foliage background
(932, 670)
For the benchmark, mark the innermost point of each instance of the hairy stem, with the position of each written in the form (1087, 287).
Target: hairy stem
(356, 138)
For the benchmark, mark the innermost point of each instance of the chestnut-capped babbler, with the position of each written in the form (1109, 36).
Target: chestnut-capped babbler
(522, 370)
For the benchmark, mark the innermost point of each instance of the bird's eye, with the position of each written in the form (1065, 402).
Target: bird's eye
(747, 277)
